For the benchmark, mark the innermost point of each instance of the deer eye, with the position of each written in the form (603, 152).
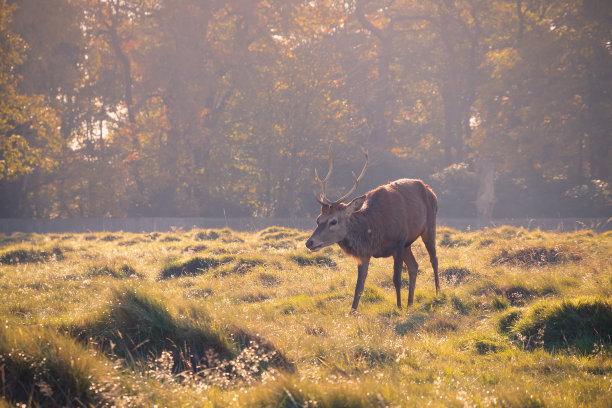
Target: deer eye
(333, 222)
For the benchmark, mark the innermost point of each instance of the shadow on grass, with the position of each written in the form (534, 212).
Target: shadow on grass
(139, 329)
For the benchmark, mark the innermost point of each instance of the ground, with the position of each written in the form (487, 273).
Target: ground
(222, 318)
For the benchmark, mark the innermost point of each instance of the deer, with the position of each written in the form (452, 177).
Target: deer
(383, 222)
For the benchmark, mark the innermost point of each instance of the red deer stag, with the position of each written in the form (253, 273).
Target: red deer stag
(382, 223)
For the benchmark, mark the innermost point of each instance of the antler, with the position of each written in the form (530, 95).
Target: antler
(321, 198)
(357, 179)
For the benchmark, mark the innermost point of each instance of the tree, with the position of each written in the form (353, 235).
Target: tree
(29, 140)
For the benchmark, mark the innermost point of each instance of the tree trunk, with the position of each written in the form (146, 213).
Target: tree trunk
(485, 199)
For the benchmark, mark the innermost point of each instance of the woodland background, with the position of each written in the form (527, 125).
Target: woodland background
(117, 108)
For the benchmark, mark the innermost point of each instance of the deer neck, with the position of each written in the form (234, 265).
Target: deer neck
(358, 240)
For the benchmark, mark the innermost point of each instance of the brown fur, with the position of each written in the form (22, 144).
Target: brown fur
(386, 221)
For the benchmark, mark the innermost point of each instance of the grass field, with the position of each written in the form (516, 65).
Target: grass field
(221, 318)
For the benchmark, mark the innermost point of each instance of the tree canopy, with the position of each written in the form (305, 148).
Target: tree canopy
(190, 108)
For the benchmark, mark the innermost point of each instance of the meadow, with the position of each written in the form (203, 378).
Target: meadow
(224, 318)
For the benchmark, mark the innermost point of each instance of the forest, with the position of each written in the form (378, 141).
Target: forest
(128, 108)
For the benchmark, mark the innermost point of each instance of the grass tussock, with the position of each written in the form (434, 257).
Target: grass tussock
(209, 235)
(141, 331)
(135, 327)
(16, 238)
(18, 256)
(195, 248)
(110, 238)
(516, 295)
(193, 266)
(454, 275)
(584, 324)
(245, 264)
(489, 344)
(278, 233)
(113, 270)
(534, 256)
(508, 319)
(170, 238)
(452, 240)
(269, 280)
(309, 259)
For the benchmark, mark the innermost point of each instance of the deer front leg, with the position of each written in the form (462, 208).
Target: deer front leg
(362, 273)
(397, 272)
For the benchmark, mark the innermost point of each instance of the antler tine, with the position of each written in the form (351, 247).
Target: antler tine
(321, 198)
(356, 179)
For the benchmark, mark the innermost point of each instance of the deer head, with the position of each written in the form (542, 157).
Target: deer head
(332, 223)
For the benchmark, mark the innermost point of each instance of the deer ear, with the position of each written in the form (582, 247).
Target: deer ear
(355, 205)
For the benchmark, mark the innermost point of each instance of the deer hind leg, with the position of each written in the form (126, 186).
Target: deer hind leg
(413, 269)
(429, 239)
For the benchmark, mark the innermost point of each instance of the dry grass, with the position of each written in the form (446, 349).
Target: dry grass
(221, 318)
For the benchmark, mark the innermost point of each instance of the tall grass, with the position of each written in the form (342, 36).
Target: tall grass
(39, 366)
(222, 318)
